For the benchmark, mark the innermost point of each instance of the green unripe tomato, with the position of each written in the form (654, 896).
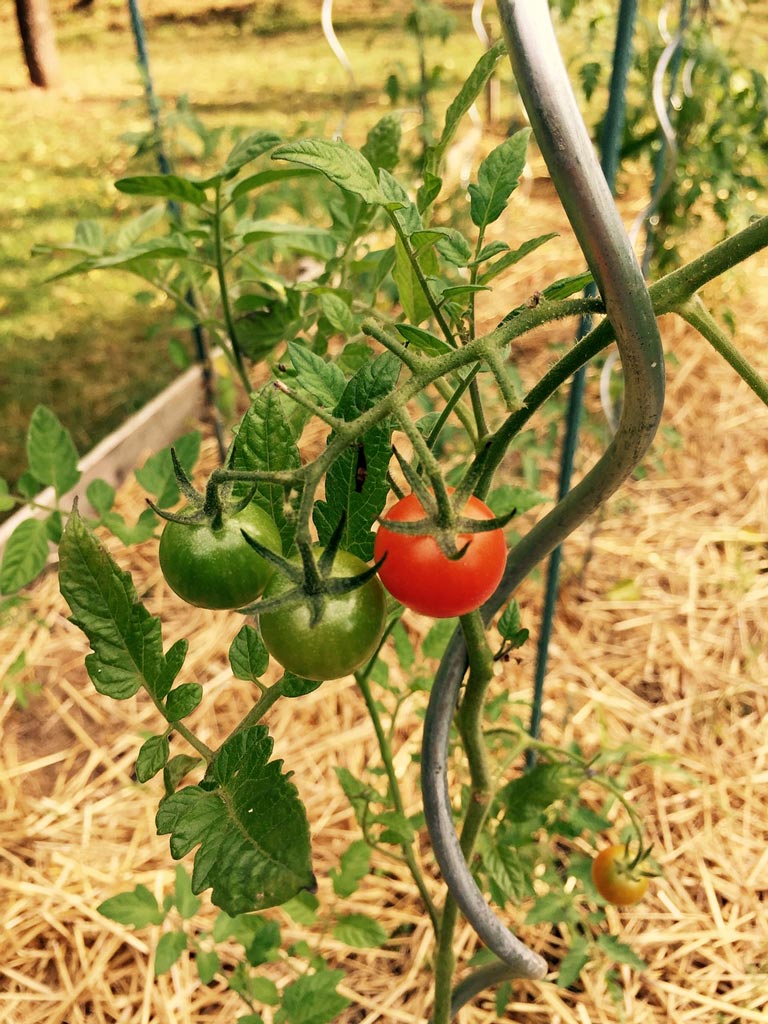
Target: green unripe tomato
(218, 568)
(344, 639)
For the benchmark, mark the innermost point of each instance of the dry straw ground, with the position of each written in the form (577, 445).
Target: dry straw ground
(674, 664)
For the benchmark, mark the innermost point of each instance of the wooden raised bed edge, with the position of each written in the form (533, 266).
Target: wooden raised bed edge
(155, 425)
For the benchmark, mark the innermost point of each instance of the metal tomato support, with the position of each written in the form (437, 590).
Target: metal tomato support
(586, 197)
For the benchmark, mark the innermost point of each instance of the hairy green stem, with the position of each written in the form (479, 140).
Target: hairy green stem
(226, 307)
(697, 315)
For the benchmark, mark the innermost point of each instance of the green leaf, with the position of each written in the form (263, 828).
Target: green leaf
(294, 686)
(157, 476)
(25, 555)
(412, 296)
(509, 259)
(467, 95)
(382, 146)
(165, 186)
(572, 964)
(354, 866)
(359, 794)
(406, 655)
(182, 701)
(6, 501)
(437, 638)
(169, 948)
(51, 452)
(265, 441)
(302, 908)
(502, 862)
(142, 529)
(208, 964)
(525, 797)
(312, 999)
(497, 179)
(360, 931)
(248, 657)
(255, 181)
(249, 149)
(126, 639)
(397, 828)
(131, 232)
(185, 900)
(568, 286)
(100, 495)
(138, 908)
(152, 758)
(340, 163)
(551, 909)
(509, 625)
(322, 379)
(357, 483)
(177, 768)
(251, 830)
(620, 952)
(507, 497)
(338, 313)
(423, 340)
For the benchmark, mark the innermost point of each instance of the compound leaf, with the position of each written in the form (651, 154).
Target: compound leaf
(251, 830)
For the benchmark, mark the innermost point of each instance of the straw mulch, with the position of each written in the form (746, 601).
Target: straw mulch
(659, 644)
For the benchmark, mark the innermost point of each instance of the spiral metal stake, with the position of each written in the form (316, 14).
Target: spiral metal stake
(575, 171)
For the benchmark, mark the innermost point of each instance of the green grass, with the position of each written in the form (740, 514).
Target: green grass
(83, 345)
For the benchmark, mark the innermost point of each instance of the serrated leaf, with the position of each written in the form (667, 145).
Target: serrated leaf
(152, 758)
(312, 999)
(340, 163)
(254, 181)
(138, 908)
(354, 866)
(620, 952)
(263, 943)
(51, 453)
(497, 178)
(248, 657)
(182, 701)
(141, 530)
(503, 865)
(248, 149)
(573, 962)
(157, 475)
(126, 640)
(25, 555)
(397, 828)
(294, 686)
(382, 144)
(467, 95)
(322, 379)
(525, 797)
(356, 483)
(168, 950)
(357, 792)
(511, 258)
(359, 931)
(265, 441)
(164, 186)
(552, 909)
(251, 831)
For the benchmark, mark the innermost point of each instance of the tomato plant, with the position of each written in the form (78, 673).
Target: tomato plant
(618, 877)
(346, 636)
(423, 578)
(212, 566)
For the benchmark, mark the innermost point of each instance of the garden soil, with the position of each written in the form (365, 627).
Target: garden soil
(658, 653)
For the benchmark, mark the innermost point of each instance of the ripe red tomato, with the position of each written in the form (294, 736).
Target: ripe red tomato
(617, 878)
(419, 575)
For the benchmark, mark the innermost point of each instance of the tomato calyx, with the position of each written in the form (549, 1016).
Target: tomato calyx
(442, 520)
(313, 581)
(211, 507)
